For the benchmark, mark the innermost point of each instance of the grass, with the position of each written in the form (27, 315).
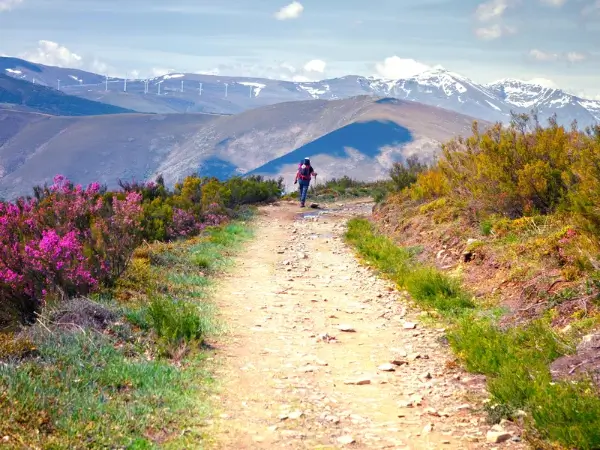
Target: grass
(428, 288)
(140, 382)
(515, 360)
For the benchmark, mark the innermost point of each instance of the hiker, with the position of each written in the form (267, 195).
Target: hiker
(303, 175)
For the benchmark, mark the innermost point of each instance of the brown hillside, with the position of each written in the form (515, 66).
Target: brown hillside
(106, 148)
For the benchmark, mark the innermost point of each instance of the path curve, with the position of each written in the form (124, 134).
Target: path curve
(286, 365)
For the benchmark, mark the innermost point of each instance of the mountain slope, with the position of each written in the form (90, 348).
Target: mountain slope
(23, 95)
(140, 146)
(231, 95)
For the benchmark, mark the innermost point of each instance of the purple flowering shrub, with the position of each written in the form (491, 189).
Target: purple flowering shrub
(67, 241)
(70, 240)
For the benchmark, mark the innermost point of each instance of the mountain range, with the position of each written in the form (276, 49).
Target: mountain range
(188, 92)
(89, 127)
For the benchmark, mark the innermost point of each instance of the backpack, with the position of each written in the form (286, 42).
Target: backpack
(304, 171)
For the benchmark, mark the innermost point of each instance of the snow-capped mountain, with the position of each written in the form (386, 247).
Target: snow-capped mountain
(185, 92)
(524, 96)
(445, 89)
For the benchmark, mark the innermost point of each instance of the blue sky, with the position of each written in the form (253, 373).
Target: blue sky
(554, 40)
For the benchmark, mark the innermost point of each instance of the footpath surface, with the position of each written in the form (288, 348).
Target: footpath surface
(322, 354)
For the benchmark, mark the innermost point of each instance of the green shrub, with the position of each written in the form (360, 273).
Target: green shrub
(404, 174)
(177, 321)
(433, 289)
(486, 227)
(568, 413)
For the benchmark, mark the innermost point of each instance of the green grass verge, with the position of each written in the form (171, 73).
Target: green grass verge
(427, 287)
(140, 384)
(515, 361)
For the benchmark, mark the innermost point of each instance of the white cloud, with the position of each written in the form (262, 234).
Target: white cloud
(493, 32)
(395, 68)
(160, 71)
(316, 65)
(494, 9)
(555, 3)
(587, 95)
(540, 55)
(573, 57)
(7, 5)
(52, 54)
(288, 67)
(214, 71)
(291, 11)
(100, 67)
(492, 14)
(313, 70)
(544, 82)
(301, 79)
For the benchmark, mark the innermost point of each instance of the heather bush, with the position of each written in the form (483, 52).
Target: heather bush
(68, 240)
(65, 241)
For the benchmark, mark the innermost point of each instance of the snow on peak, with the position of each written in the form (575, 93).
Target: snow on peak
(532, 93)
(16, 72)
(173, 75)
(314, 92)
(257, 87)
(537, 82)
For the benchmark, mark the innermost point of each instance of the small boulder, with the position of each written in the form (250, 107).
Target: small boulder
(398, 361)
(496, 437)
(387, 367)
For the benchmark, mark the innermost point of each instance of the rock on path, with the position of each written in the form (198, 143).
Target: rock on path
(294, 376)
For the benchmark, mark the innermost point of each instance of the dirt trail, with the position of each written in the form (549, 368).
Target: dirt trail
(286, 364)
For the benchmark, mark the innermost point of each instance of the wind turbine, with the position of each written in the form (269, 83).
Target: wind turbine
(105, 83)
(226, 86)
(251, 91)
(125, 83)
(200, 90)
(58, 84)
(181, 85)
(159, 88)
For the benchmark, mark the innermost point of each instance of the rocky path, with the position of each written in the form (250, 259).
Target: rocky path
(323, 354)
